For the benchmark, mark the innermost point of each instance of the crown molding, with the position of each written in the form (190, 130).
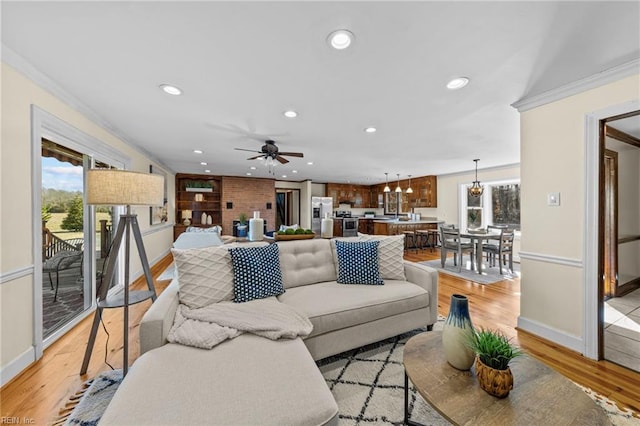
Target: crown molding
(14, 60)
(607, 76)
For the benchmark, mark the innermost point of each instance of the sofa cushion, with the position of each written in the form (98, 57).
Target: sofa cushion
(358, 262)
(306, 262)
(249, 380)
(390, 254)
(256, 273)
(205, 275)
(331, 306)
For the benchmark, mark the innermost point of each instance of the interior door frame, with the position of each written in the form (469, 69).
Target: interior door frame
(45, 125)
(593, 253)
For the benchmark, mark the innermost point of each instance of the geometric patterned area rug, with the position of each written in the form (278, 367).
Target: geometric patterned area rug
(367, 383)
(488, 276)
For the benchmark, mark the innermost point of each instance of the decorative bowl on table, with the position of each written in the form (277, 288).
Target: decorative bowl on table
(290, 237)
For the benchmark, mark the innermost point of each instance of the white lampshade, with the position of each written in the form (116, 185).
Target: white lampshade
(186, 214)
(122, 188)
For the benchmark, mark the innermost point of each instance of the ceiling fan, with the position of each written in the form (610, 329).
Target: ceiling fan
(270, 151)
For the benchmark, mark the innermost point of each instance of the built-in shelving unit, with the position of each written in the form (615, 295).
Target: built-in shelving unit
(199, 194)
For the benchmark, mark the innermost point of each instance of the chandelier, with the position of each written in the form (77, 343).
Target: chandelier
(476, 189)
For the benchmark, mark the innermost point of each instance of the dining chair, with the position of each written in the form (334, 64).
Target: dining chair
(451, 242)
(502, 250)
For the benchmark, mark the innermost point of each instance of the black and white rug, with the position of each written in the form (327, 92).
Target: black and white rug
(367, 383)
(488, 276)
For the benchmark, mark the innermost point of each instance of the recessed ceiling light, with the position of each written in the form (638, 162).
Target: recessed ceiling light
(248, 173)
(340, 39)
(457, 83)
(284, 176)
(290, 114)
(310, 163)
(197, 151)
(170, 90)
(370, 130)
(207, 171)
(203, 163)
(294, 171)
(252, 167)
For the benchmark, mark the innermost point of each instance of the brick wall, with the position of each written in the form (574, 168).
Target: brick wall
(247, 196)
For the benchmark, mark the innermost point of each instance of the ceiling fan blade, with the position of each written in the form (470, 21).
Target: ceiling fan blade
(256, 157)
(292, 154)
(282, 160)
(248, 150)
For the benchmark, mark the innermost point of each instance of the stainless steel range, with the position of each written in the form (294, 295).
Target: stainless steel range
(350, 227)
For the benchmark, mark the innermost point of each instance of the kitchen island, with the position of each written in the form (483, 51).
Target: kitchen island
(396, 226)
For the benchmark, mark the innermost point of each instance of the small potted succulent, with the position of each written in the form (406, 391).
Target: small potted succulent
(242, 225)
(493, 352)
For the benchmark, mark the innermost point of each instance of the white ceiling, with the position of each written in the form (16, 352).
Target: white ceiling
(244, 63)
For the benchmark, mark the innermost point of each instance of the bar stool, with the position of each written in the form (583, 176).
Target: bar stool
(434, 234)
(422, 238)
(410, 240)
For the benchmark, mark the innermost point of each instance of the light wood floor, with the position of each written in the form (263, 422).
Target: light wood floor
(41, 390)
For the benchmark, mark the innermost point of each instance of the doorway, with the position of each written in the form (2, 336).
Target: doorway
(68, 260)
(620, 223)
(287, 207)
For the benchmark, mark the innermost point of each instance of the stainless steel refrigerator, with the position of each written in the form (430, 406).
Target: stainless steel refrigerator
(320, 206)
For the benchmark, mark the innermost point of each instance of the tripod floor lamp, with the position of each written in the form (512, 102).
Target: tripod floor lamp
(122, 188)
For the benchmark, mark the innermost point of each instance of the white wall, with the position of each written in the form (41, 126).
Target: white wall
(16, 246)
(553, 160)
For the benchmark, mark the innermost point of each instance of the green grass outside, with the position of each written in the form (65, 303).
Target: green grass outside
(54, 225)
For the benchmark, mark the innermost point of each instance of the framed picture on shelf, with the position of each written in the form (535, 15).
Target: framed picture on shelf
(158, 214)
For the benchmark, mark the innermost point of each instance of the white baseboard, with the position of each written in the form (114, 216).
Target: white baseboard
(560, 337)
(17, 366)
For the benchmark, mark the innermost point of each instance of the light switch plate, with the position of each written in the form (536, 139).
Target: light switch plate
(553, 199)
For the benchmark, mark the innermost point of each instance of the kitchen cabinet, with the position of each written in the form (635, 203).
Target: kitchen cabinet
(337, 227)
(200, 194)
(358, 196)
(365, 226)
(425, 192)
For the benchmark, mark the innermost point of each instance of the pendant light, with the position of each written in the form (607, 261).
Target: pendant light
(398, 189)
(476, 189)
(386, 187)
(409, 190)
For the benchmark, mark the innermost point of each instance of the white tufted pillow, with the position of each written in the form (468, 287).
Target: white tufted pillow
(390, 255)
(205, 275)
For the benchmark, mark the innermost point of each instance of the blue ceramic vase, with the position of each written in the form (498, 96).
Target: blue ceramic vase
(456, 333)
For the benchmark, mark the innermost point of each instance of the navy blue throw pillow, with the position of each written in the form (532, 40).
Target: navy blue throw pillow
(256, 272)
(358, 262)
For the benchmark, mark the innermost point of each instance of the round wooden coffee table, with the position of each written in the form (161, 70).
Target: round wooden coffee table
(540, 396)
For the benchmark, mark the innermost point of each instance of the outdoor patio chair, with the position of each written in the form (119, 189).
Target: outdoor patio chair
(61, 261)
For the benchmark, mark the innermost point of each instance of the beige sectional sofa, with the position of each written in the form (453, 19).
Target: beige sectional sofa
(250, 380)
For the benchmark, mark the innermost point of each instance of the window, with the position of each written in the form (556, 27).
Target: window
(498, 205)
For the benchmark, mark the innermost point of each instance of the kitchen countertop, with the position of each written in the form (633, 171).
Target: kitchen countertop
(408, 222)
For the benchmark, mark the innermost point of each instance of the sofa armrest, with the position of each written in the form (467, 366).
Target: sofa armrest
(157, 321)
(426, 278)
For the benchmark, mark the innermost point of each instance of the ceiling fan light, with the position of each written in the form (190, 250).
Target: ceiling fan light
(170, 90)
(340, 39)
(457, 83)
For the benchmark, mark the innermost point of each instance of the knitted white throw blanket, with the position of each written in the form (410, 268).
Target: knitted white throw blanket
(208, 326)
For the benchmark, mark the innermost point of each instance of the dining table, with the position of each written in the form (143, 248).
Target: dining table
(477, 238)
